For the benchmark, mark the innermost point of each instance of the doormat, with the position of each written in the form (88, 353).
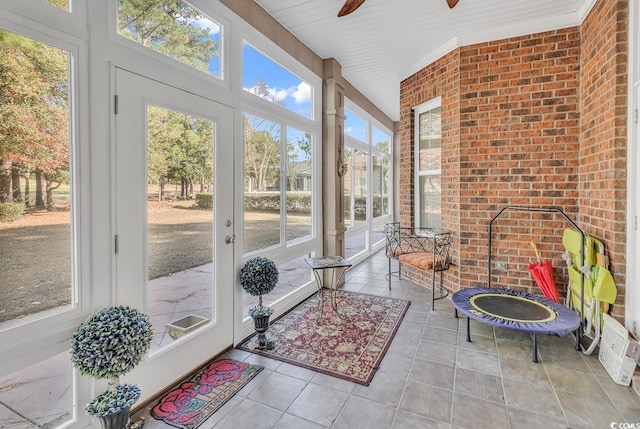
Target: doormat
(350, 348)
(194, 399)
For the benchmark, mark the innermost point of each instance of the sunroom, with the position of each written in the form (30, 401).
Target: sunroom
(148, 148)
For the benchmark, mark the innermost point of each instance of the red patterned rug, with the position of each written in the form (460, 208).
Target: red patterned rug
(196, 398)
(349, 348)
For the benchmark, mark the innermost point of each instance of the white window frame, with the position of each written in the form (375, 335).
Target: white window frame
(371, 224)
(250, 104)
(139, 59)
(417, 111)
(256, 106)
(47, 335)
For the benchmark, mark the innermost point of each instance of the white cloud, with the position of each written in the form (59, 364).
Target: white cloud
(205, 22)
(302, 94)
(280, 94)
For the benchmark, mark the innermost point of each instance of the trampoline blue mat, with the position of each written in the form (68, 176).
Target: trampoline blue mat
(517, 311)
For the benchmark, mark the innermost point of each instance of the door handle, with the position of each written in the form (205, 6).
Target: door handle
(230, 239)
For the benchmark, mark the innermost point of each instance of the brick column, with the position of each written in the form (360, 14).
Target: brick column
(332, 156)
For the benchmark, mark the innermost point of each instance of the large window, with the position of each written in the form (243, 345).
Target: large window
(180, 195)
(381, 142)
(280, 156)
(428, 140)
(58, 158)
(298, 171)
(278, 179)
(262, 196)
(36, 180)
(268, 80)
(367, 181)
(174, 29)
(380, 186)
(38, 223)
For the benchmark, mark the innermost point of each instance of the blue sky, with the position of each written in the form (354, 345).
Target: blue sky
(283, 85)
(355, 126)
(214, 34)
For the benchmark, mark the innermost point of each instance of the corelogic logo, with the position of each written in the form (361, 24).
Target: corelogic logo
(615, 425)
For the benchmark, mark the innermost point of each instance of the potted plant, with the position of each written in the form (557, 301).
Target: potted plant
(259, 276)
(107, 345)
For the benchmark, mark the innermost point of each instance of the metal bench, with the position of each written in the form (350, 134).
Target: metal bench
(424, 248)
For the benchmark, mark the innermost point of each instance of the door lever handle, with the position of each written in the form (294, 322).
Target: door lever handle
(230, 239)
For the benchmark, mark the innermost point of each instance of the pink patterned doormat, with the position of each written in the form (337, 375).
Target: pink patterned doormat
(192, 401)
(349, 348)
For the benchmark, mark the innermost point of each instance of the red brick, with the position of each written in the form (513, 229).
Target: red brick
(534, 120)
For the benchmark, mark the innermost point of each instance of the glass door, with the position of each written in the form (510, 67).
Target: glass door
(174, 229)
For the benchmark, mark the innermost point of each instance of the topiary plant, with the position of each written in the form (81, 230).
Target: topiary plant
(106, 346)
(259, 276)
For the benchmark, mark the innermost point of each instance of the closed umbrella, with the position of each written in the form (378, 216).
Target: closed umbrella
(542, 273)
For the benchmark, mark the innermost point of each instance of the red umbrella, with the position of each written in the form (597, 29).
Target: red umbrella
(542, 273)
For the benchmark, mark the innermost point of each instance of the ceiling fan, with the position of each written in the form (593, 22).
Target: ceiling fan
(351, 5)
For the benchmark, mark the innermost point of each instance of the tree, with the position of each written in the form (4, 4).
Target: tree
(261, 144)
(34, 114)
(180, 149)
(161, 134)
(261, 152)
(34, 118)
(204, 157)
(298, 158)
(382, 146)
(169, 26)
(262, 90)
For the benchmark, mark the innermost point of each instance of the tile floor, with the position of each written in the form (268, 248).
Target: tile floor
(432, 378)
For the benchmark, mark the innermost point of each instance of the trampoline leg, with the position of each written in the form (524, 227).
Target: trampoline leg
(468, 329)
(535, 348)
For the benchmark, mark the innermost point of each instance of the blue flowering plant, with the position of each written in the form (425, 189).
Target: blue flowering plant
(259, 276)
(107, 345)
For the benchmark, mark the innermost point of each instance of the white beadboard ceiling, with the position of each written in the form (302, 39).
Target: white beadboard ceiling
(386, 41)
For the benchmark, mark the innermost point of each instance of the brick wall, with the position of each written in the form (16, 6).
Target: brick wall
(527, 121)
(519, 144)
(603, 130)
(440, 79)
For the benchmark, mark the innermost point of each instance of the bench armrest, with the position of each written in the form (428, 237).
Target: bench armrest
(406, 240)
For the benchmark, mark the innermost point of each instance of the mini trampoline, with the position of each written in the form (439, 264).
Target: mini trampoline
(517, 311)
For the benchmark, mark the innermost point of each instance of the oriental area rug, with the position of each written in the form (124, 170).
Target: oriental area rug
(350, 348)
(193, 400)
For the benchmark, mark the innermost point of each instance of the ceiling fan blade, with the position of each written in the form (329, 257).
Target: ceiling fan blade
(349, 6)
(452, 3)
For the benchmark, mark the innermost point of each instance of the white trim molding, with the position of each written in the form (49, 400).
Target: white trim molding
(491, 34)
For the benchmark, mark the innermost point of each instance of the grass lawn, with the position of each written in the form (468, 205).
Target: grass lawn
(35, 251)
